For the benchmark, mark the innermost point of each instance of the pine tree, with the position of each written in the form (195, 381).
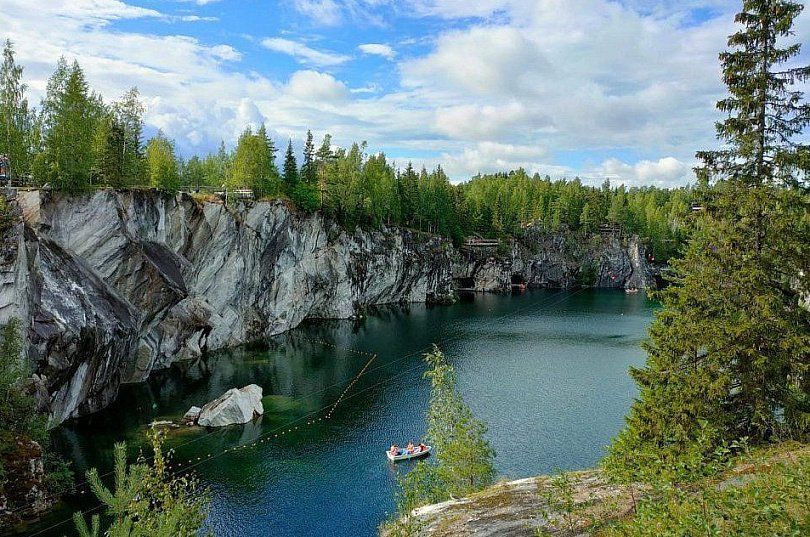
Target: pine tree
(728, 355)
(309, 172)
(15, 118)
(290, 169)
(147, 500)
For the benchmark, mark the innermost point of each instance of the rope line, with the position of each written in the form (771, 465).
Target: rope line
(546, 302)
(264, 438)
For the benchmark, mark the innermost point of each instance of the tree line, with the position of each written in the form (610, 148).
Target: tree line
(75, 141)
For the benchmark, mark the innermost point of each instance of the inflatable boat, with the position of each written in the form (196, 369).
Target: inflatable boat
(403, 455)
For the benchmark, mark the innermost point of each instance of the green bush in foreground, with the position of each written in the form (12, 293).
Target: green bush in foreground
(773, 500)
(147, 500)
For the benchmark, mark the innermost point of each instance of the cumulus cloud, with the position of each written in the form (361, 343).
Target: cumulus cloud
(303, 53)
(315, 86)
(377, 49)
(488, 122)
(487, 157)
(663, 172)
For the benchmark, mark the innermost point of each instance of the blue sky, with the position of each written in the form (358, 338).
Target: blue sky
(596, 88)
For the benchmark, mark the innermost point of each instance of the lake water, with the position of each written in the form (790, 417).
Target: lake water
(547, 370)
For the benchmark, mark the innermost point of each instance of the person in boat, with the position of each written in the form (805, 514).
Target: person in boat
(422, 447)
(410, 448)
(394, 449)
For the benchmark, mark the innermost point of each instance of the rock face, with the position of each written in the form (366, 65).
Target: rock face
(236, 406)
(113, 285)
(557, 261)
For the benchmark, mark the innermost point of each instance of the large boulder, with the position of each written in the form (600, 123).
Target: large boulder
(232, 407)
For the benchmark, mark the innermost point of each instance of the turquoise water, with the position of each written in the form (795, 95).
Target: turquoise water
(547, 370)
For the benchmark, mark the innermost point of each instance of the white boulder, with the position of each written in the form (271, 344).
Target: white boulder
(233, 407)
(192, 415)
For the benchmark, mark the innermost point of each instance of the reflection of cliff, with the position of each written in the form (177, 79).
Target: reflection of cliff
(115, 285)
(557, 260)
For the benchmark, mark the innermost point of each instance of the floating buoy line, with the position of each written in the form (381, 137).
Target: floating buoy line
(309, 419)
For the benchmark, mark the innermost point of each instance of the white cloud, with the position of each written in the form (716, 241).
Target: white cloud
(456, 9)
(334, 12)
(315, 86)
(378, 49)
(488, 122)
(303, 53)
(487, 157)
(667, 171)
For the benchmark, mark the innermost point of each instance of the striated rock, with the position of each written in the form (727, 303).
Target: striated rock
(557, 260)
(116, 284)
(236, 406)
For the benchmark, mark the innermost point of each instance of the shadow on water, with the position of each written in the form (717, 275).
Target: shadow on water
(546, 369)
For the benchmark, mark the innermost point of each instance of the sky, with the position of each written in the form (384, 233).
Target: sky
(619, 89)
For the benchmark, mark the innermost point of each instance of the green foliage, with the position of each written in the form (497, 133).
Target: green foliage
(290, 170)
(146, 500)
(18, 418)
(162, 164)
(7, 217)
(69, 117)
(305, 196)
(771, 501)
(463, 459)
(16, 119)
(728, 352)
(253, 165)
(562, 509)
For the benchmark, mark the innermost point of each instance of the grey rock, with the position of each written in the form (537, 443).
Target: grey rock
(114, 285)
(192, 415)
(236, 406)
(557, 260)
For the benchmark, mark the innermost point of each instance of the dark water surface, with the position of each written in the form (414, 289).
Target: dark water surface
(547, 370)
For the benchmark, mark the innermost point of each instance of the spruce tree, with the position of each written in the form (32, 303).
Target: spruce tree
(290, 169)
(272, 179)
(15, 118)
(309, 172)
(70, 121)
(728, 354)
